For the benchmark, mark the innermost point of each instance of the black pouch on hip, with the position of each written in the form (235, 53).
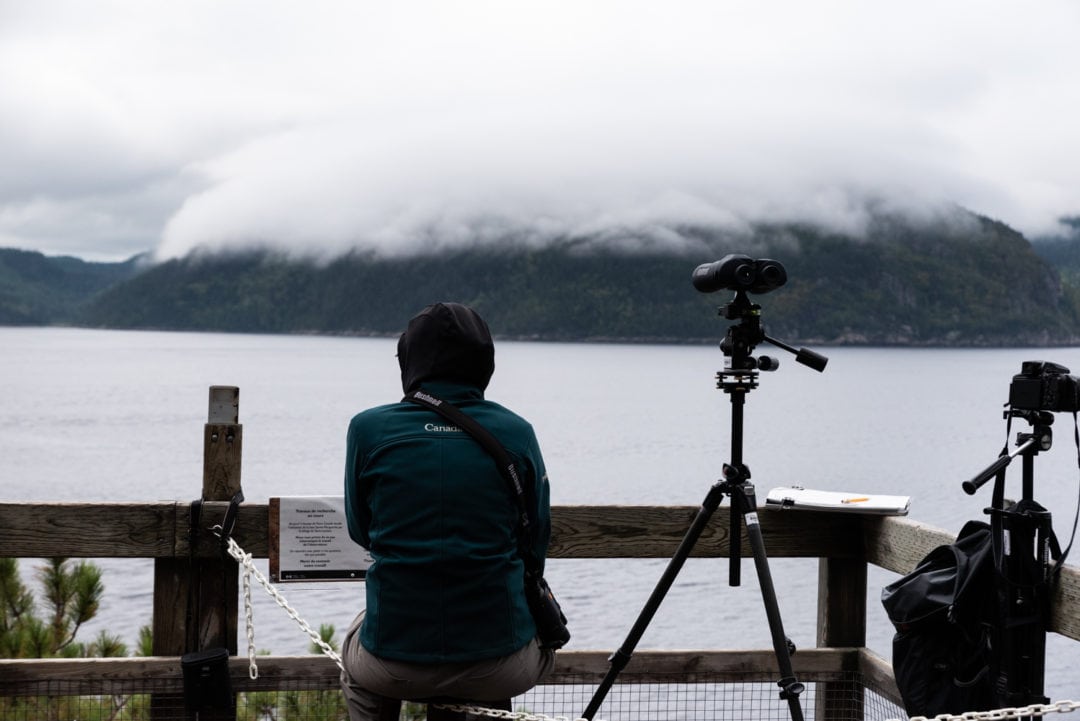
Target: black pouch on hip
(551, 629)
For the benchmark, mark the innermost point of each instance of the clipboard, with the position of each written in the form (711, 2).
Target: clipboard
(798, 498)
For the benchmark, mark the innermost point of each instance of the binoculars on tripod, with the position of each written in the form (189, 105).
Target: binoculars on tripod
(739, 272)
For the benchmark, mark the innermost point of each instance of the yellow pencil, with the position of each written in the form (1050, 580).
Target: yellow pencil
(860, 499)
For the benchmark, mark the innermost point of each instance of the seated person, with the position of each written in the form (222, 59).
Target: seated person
(446, 613)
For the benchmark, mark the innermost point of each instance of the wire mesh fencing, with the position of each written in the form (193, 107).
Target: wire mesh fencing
(850, 698)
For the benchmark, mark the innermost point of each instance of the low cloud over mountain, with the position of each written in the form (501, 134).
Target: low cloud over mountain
(319, 127)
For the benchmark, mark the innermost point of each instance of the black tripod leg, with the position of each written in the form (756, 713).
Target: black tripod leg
(743, 500)
(620, 658)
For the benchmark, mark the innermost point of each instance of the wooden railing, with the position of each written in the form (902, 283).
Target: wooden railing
(844, 545)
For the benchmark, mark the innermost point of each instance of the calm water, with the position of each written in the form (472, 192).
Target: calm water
(118, 416)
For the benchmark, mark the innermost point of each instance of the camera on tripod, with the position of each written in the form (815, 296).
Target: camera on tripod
(1018, 555)
(1044, 386)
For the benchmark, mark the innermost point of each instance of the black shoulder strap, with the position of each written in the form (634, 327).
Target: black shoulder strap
(491, 444)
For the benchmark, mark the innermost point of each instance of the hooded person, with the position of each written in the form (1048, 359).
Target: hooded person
(446, 613)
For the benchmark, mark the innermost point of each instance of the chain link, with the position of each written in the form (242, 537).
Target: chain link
(249, 570)
(249, 620)
(501, 714)
(1036, 709)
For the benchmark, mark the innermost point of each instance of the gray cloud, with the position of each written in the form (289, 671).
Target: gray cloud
(322, 126)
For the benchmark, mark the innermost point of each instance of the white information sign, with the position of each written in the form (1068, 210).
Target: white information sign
(314, 542)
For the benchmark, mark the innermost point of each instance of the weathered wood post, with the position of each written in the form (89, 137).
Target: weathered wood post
(218, 578)
(195, 594)
(841, 623)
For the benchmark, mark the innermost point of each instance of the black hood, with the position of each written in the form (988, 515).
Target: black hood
(446, 342)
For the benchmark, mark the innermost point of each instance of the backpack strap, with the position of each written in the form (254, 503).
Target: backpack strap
(507, 467)
(1076, 518)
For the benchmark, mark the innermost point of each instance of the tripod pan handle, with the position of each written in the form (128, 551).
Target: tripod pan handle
(810, 359)
(973, 485)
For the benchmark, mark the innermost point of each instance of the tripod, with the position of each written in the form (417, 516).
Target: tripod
(738, 379)
(1025, 550)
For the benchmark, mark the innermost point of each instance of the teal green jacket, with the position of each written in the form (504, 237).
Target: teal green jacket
(440, 522)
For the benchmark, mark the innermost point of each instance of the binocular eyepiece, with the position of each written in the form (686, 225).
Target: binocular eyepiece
(739, 272)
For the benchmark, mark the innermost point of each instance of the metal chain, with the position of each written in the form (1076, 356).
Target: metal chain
(249, 569)
(249, 622)
(1036, 709)
(499, 713)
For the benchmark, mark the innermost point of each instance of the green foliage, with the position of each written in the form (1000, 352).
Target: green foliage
(85, 708)
(1063, 250)
(315, 705)
(972, 283)
(326, 635)
(16, 609)
(70, 593)
(145, 646)
(39, 290)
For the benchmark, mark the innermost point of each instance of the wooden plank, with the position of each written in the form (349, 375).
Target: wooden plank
(841, 602)
(87, 530)
(878, 674)
(120, 530)
(216, 579)
(149, 530)
(101, 675)
(1065, 611)
(656, 531)
(222, 446)
(702, 666)
(841, 622)
(273, 533)
(898, 544)
(170, 607)
(224, 405)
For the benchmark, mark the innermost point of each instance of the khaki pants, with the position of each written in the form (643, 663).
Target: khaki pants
(374, 687)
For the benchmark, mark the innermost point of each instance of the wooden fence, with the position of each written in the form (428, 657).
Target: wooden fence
(843, 544)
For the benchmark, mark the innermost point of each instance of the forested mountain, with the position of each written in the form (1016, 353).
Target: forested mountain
(40, 290)
(969, 281)
(964, 281)
(1063, 251)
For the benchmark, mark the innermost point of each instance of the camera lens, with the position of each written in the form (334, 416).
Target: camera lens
(734, 272)
(770, 274)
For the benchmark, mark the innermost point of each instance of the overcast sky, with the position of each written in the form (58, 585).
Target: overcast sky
(317, 125)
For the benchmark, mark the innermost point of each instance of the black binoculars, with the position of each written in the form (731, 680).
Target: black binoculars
(739, 272)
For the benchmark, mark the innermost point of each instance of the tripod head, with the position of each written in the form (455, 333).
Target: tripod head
(1029, 444)
(741, 367)
(1040, 389)
(743, 274)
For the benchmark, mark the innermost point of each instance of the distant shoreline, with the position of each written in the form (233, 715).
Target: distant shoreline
(600, 340)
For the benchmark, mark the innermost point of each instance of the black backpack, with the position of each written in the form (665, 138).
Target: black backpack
(944, 614)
